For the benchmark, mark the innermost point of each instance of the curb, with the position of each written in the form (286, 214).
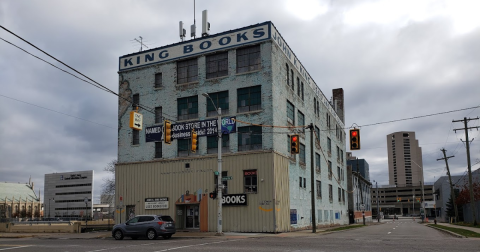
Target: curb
(446, 231)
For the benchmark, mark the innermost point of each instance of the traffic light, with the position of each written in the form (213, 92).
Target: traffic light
(194, 141)
(355, 139)
(294, 144)
(167, 132)
(213, 195)
(398, 199)
(418, 199)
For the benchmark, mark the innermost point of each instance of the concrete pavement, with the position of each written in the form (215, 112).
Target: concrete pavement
(180, 234)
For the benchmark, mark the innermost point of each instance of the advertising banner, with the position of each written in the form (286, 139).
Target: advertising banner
(156, 203)
(184, 129)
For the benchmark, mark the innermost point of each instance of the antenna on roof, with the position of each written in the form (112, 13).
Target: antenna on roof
(141, 43)
(205, 24)
(181, 31)
(192, 28)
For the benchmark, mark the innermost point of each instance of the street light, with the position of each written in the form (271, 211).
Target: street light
(219, 169)
(378, 209)
(49, 209)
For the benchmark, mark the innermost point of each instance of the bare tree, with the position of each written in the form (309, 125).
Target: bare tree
(108, 187)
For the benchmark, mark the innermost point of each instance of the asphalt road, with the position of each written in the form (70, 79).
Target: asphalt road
(391, 237)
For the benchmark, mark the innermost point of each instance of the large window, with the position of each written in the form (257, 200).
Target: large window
(302, 154)
(301, 120)
(290, 113)
(249, 138)
(330, 170)
(212, 144)
(184, 147)
(329, 145)
(220, 100)
(249, 99)
(330, 192)
(158, 149)
(288, 74)
(248, 59)
(292, 80)
(217, 65)
(187, 71)
(317, 134)
(317, 163)
(158, 115)
(250, 181)
(136, 101)
(339, 194)
(187, 108)
(158, 80)
(319, 189)
(135, 137)
(298, 86)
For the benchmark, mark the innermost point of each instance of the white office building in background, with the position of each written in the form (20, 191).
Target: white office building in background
(68, 194)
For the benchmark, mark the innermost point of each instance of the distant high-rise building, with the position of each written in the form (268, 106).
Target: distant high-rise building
(404, 159)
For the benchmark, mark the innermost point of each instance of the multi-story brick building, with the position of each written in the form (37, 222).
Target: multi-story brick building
(265, 95)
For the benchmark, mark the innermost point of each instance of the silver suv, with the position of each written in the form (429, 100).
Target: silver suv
(150, 226)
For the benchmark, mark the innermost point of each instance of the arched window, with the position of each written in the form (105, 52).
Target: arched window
(288, 74)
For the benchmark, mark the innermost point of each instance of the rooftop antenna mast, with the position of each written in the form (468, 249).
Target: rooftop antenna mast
(141, 43)
(193, 27)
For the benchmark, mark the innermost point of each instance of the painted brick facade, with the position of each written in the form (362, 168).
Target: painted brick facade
(276, 92)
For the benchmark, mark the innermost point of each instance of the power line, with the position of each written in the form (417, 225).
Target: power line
(57, 111)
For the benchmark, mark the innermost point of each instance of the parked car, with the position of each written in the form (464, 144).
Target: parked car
(150, 226)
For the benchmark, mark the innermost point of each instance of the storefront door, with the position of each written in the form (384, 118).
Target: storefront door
(192, 217)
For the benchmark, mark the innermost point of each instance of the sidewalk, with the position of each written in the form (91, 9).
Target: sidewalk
(476, 230)
(180, 234)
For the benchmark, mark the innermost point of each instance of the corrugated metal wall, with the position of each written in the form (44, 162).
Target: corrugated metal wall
(137, 181)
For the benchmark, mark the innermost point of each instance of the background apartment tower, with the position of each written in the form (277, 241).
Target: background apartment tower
(404, 159)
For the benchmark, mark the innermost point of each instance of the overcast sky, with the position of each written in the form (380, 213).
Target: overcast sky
(393, 59)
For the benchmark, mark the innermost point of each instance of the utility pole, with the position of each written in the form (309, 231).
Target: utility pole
(361, 194)
(378, 204)
(470, 185)
(452, 193)
(312, 180)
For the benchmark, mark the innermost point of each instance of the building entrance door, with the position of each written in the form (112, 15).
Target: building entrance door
(192, 217)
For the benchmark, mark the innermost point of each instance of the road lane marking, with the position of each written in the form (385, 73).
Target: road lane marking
(17, 247)
(389, 232)
(202, 244)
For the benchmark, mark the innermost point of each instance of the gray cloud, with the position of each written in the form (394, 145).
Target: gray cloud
(388, 70)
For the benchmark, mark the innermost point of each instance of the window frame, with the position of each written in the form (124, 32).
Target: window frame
(248, 59)
(135, 137)
(302, 154)
(191, 100)
(254, 186)
(216, 61)
(158, 82)
(217, 98)
(213, 148)
(188, 152)
(290, 113)
(158, 115)
(251, 98)
(251, 130)
(319, 189)
(158, 150)
(189, 68)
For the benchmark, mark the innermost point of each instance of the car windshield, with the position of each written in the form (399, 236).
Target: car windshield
(165, 218)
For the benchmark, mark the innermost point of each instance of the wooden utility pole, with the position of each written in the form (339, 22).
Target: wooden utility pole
(470, 185)
(452, 193)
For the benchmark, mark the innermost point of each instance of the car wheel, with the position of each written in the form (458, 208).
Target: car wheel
(134, 237)
(151, 234)
(166, 237)
(118, 235)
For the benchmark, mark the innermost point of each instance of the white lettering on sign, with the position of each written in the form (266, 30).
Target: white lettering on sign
(240, 37)
(234, 199)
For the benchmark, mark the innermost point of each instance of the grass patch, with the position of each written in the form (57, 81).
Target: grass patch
(466, 233)
(345, 227)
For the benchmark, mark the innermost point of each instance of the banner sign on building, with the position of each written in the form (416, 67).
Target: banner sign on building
(234, 200)
(156, 203)
(184, 129)
(247, 35)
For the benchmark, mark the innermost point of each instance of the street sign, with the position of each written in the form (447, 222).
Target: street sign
(362, 207)
(226, 178)
(136, 120)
